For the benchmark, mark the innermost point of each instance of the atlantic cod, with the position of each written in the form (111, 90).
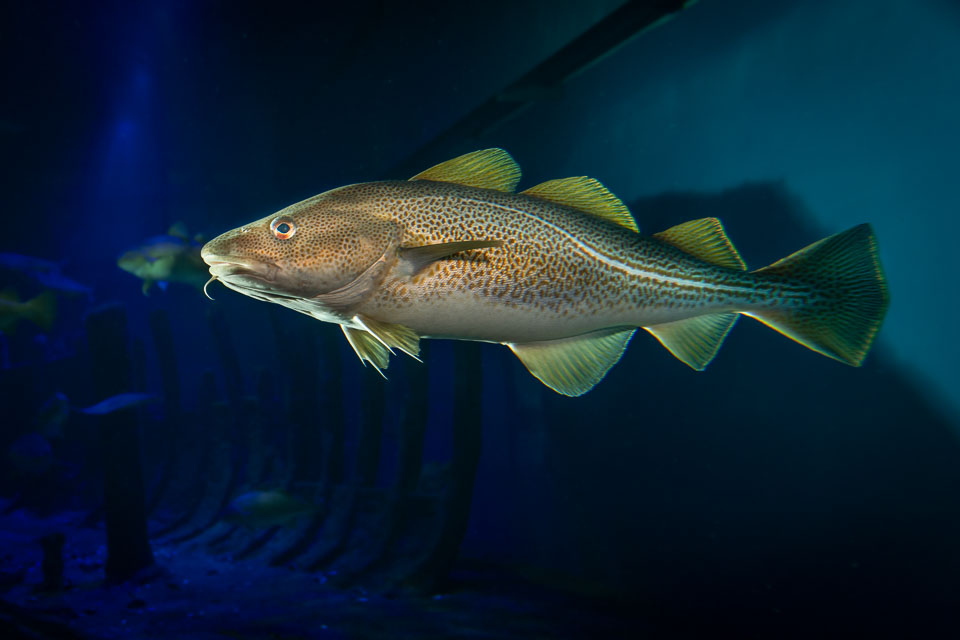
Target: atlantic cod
(558, 273)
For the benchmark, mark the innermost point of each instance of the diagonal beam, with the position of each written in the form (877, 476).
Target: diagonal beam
(546, 79)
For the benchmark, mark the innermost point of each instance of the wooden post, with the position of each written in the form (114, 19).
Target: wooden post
(166, 356)
(128, 549)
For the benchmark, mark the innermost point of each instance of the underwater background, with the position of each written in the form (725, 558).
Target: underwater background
(776, 494)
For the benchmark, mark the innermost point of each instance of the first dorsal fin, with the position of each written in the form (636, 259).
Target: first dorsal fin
(486, 169)
(587, 195)
(704, 239)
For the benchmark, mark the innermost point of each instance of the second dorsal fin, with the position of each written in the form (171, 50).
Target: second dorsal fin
(587, 195)
(486, 169)
(704, 239)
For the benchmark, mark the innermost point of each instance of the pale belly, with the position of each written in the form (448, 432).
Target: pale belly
(465, 315)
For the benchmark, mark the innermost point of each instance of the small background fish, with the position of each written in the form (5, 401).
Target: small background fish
(41, 310)
(174, 257)
(262, 509)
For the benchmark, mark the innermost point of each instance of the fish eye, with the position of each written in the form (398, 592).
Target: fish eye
(283, 228)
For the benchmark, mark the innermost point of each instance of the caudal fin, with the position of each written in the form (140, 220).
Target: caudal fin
(849, 295)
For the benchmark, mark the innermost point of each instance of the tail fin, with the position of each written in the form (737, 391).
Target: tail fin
(850, 295)
(42, 310)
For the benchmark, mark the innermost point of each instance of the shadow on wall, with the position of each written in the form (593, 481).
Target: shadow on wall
(776, 476)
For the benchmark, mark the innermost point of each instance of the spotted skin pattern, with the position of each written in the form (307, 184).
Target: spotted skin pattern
(560, 272)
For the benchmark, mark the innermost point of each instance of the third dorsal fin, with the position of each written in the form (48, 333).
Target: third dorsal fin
(704, 239)
(487, 169)
(587, 195)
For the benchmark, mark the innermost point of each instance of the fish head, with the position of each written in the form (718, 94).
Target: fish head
(307, 250)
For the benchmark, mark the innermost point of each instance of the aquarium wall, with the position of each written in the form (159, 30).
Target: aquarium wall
(847, 106)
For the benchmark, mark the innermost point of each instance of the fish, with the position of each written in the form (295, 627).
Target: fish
(174, 257)
(41, 310)
(558, 273)
(27, 264)
(60, 283)
(262, 509)
(44, 272)
(52, 415)
(118, 402)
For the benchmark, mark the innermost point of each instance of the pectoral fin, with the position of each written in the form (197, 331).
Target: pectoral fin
(695, 341)
(348, 296)
(415, 259)
(573, 366)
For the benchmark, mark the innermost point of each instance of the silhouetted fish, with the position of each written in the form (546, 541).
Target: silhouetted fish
(44, 272)
(118, 403)
(260, 509)
(41, 310)
(558, 273)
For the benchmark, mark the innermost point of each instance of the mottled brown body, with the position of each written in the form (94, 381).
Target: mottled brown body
(558, 273)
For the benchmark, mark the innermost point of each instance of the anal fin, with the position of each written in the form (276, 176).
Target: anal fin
(573, 366)
(695, 341)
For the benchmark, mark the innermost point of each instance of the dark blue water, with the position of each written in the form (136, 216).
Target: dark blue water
(777, 494)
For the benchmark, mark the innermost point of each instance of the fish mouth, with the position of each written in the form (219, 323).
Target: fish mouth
(223, 268)
(257, 279)
(243, 275)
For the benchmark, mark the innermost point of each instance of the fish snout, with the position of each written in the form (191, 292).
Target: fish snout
(225, 266)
